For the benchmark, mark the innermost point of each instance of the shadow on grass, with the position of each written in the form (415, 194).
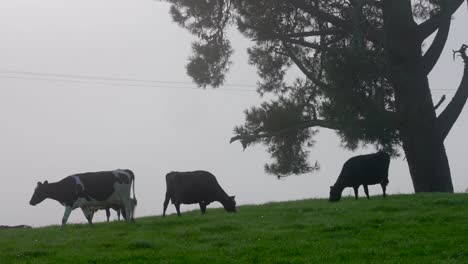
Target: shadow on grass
(32, 254)
(140, 244)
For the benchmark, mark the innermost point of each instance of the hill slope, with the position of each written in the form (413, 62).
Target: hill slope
(429, 228)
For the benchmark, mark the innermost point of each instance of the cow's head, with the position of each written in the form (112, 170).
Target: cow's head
(230, 205)
(39, 194)
(335, 194)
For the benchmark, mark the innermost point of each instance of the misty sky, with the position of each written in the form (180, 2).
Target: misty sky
(53, 127)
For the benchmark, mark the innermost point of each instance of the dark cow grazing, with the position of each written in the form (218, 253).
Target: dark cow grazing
(196, 187)
(362, 170)
(89, 191)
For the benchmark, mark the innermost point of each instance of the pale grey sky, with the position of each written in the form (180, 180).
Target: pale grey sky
(51, 129)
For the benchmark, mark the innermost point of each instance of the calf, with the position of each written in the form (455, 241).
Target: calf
(362, 170)
(196, 187)
(89, 191)
(120, 210)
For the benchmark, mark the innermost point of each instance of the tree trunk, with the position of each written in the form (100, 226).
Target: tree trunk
(421, 138)
(427, 162)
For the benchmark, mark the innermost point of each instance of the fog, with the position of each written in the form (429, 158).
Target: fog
(54, 126)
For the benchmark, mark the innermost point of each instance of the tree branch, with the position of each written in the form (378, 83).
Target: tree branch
(247, 139)
(271, 35)
(315, 33)
(432, 55)
(376, 36)
(450, 114)
(442, 99)
(388, 115)
(306, 44)
(429, 26)
(314, 11)
(301, 66)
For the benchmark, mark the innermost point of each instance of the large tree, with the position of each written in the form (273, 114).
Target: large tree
(364, 74)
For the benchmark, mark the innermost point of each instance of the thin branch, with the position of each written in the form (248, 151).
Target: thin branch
(306, 44)
(442, 99)
(290, 37)
(451, 113)
(315, 33)
(462, 52)
(301, 66)
(314, 112)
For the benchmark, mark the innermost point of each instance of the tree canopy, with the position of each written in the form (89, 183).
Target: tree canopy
(351, 54)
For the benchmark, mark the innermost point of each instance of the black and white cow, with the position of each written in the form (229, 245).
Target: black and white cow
(195, 187)
(89, 191)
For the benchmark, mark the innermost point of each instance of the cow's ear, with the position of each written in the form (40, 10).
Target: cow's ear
(46, 182)
(39, 183)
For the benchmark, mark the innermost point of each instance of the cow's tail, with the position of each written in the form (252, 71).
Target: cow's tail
(133, 187)
(134, 197)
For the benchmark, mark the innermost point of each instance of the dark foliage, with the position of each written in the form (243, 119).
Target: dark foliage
(338, 45)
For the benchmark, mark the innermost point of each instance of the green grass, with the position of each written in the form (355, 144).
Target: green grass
(428, 228)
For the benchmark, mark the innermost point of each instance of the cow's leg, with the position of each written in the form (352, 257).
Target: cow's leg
(133, 209)
(166, 202)
(177, 207)
(68, 210)
(356, 192)
(91, 215)
(202, 207)
(384, 188)
(88, 214)
(118, 213)
(124, 215)
(128, 210)
(366, 190)
(107, 214)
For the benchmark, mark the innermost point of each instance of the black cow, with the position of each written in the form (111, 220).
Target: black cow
(196, 187)
(362, 170)
(90, 191)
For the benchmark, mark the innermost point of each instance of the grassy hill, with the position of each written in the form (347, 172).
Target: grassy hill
(428, 228)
